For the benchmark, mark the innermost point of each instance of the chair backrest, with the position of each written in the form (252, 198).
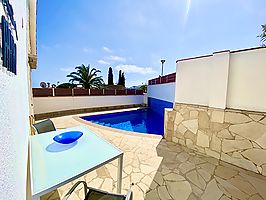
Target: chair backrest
(96, 194)
(44, 126)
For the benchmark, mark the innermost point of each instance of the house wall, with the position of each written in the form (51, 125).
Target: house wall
(14, 114)
(220, 107)
(54, 104)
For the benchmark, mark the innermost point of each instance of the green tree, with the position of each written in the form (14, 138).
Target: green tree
(119, 78)
(87, 77)
(110, 76)
(263, 34)
(123, 79)
(143, 87)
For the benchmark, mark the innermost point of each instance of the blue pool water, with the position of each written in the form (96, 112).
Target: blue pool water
(142, 120)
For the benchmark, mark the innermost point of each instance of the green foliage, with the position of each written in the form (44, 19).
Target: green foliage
(143, 87)
(263, 34)
(87, 77)
(66, 85)
(121, 78)
(113, 87)
(110, 76)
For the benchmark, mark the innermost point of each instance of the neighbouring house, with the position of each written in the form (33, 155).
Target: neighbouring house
(18, 45)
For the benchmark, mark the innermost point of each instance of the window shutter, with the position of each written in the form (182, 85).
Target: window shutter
(4, 36)
(9, 50)
(15, 59)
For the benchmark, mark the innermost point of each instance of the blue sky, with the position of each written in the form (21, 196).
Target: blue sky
(133, 35)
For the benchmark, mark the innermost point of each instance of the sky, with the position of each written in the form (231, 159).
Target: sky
(134, 35)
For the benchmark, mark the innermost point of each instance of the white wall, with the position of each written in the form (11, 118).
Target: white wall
(165, 92)
(247, 80)
(219, 79)
(193, 81)
(203, 81)
(14, 113)
(225, 79)
(53, 104)
(145, 98)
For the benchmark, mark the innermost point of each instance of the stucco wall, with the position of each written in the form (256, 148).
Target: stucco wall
(53, 104)
(14, 115)
(247, 80)
(233, 79)
(203, 81)
(192, 81)
(145, 98)
(161, 96)
(165, 92)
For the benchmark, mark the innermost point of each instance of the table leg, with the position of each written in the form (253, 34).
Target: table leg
(119, 174)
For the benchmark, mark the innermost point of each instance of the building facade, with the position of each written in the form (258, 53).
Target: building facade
(18, 52)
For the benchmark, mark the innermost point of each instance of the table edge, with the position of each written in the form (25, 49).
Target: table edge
(38, 194)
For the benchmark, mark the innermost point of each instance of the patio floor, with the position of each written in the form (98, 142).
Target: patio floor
(156, 169)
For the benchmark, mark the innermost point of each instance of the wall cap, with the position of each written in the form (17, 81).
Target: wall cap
(223, 51)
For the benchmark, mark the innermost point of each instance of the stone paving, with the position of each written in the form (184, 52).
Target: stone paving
(234, 136)
(156, 169)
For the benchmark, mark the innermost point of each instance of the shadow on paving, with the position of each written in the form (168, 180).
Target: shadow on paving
(186, 174)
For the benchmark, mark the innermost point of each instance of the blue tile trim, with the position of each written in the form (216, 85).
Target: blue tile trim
(158, 105)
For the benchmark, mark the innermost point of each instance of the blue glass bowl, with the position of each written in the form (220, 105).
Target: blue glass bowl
(68, 137)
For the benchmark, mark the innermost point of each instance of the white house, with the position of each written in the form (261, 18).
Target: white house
(19, 19)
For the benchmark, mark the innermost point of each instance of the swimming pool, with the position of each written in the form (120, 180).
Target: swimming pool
(142, 121)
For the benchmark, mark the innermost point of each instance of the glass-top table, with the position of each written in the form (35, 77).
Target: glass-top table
(53, 164)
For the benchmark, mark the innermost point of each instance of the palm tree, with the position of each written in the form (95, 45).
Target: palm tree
(263, 35)
(86, 77)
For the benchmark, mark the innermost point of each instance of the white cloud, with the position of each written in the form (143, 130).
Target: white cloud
(66, 69)
(103, 62)
(135, 69)
(57, 46)
(47, 47)
(85, 50)
(117, 58)
(44, 46)
(188, 8)
(106, 49)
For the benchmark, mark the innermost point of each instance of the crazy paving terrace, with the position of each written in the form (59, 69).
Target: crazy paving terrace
(157, 169)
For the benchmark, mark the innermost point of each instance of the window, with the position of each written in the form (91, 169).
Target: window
(9, 48)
